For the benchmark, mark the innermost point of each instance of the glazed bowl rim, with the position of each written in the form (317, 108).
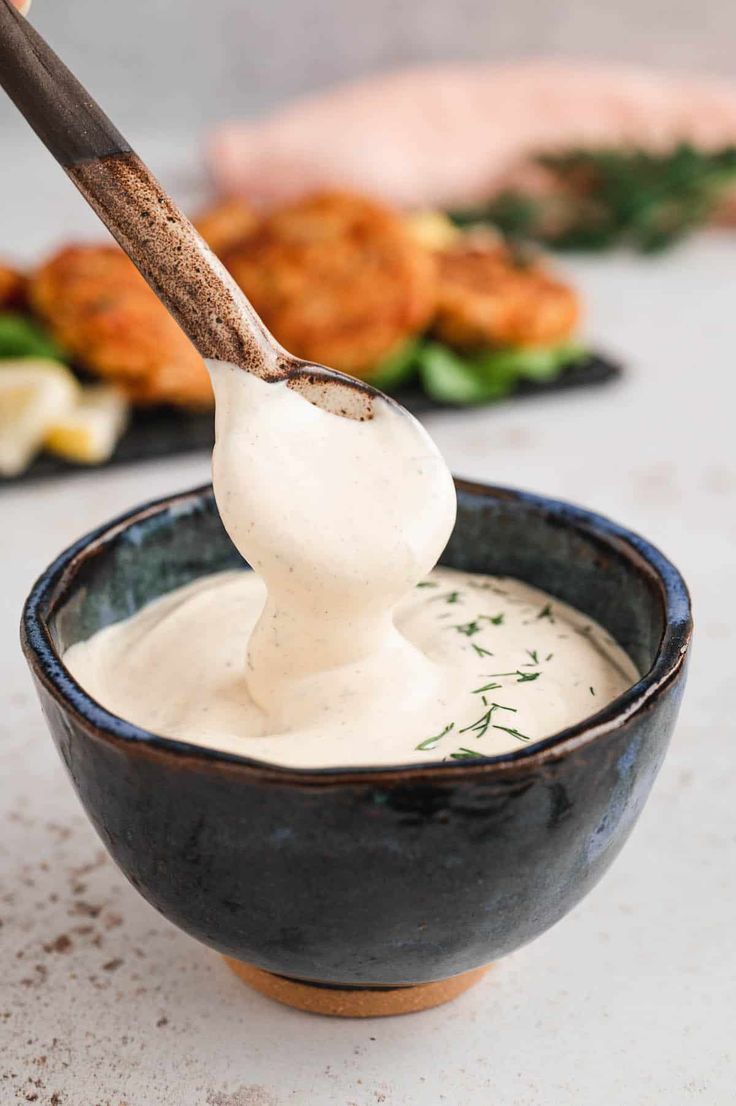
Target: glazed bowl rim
(47, 665)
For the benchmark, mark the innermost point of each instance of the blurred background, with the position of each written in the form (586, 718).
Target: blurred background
(177, 67)
(171, 74)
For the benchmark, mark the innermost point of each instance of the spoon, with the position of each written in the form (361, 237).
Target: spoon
(170, 254)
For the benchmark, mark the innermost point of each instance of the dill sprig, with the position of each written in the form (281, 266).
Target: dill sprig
(480, 726)
(512, 731)
(451, 597)
(522, 677)
(474, 626)
(468, 628)
(602, 198)
(430, 742)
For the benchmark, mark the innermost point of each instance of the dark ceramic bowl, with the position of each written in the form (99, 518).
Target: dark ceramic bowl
(374, 876)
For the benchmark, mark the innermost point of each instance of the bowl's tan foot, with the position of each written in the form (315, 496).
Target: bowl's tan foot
(355, 1002)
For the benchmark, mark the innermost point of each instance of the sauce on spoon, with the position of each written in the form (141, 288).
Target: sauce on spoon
(343, 647)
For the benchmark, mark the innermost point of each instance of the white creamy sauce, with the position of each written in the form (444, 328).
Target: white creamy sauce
(343, 647)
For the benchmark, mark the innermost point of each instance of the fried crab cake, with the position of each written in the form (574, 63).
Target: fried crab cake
(487, 298)
(13, 289)
(338, 279)
(101, 310)
(226, 224)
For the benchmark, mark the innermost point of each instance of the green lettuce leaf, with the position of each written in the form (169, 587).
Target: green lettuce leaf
(397, 369)
(21, 336)
(465, 379)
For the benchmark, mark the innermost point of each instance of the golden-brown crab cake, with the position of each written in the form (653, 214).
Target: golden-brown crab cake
(13, 289)
(487, 298)
(100, 309)
(226, 224)
(338, 279)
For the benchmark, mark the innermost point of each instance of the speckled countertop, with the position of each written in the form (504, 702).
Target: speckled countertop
(630, 1000)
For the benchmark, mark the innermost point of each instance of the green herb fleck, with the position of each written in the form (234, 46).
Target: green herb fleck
(546, 612)
(481, 651)
(533, 654)
(430, 742)
(468, 628)
(486, 687)
(496, 620)
(549, 657)
(427, 584)
(480, 726)
(464, 754)
(451, 597)
(513, 732)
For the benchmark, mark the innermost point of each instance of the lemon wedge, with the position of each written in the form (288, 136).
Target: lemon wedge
(432, 229)
(34, 394)
(88, 433)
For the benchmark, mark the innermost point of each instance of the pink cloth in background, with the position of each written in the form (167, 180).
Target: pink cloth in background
(449, 135)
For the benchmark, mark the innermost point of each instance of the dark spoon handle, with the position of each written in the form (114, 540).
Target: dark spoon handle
(160, 240)
(62, 113)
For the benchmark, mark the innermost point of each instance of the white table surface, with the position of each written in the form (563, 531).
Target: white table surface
(629, 1001)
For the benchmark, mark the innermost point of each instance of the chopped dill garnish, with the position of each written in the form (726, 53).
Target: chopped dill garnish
(427, 584)
(464, 754)
(549, 656)
(534, 655)
(451, 597)
(474, 627)
(525, 677)
(513, 732)
(546, 612)
(480, 726)
(468, 628)
(481, 651)
(486, 687)
(430, 742)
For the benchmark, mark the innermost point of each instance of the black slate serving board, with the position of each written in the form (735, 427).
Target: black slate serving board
(167, 431)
